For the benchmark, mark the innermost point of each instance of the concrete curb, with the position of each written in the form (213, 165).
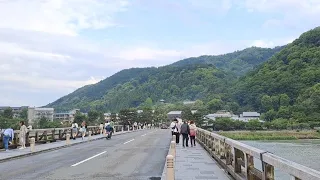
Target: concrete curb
(163, 176)
(60, 147)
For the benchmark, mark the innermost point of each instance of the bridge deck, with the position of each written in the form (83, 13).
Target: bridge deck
(193, 163)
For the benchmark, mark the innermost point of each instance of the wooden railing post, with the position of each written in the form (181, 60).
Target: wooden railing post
(249, 164)
(237, 165)
(268, 173)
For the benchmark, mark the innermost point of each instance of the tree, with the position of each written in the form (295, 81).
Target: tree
(266, 103)
(127, 116)
(215, 105)
(186, 114)
(8, 113)
(93, 116)
(254, 124)
(24, 114)
(113, 117)
(79, 117)
(284, 100)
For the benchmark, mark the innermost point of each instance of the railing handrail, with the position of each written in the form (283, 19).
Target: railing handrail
(50, 129)
(284, 165)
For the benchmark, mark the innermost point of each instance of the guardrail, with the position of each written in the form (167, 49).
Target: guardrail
(238, 159)
(55, 134)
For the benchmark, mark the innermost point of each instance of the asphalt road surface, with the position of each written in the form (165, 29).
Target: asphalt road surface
(133, 156)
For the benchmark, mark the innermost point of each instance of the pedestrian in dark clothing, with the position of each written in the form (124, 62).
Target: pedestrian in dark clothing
(185, 131)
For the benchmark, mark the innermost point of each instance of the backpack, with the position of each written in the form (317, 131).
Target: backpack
(192, 132)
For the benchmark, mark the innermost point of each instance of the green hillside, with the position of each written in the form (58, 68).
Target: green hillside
(177, 82)
(239, 62)
(288, 85)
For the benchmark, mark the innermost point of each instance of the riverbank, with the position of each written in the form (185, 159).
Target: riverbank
(270, 135)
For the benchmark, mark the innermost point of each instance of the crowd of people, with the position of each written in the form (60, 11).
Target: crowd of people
(187, 129)
(8, 135)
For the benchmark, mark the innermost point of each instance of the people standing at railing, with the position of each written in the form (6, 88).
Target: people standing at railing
(185, 131)
(22, 135)
(8, 136)
(74, 127)
(101, 127)
(83, 129)
(193, 131)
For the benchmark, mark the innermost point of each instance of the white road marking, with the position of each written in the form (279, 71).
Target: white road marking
(88, 159)
(143, 134)
(128, 141)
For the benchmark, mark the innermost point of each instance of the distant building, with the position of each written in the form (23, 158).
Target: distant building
(162, 100)
(193, 111)
(139, 111)
(188, 102)
(15, 110)
(37, 113)
(174, 114)
(66, 116)
(246, 116)
(221, 113)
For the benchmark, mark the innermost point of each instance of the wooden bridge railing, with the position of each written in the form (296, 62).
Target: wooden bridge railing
(238, 159)
(55, 134)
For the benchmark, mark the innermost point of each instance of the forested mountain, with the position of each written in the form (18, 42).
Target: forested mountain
(288, 85)
(169, 83)
(239, 62)
(196, 79)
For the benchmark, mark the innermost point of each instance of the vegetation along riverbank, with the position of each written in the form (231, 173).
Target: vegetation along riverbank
(271, 135)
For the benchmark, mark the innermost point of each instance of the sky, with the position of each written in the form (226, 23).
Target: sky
(49, 48)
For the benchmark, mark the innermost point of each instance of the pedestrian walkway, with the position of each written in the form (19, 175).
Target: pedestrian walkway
(194, 163)
(15, 153)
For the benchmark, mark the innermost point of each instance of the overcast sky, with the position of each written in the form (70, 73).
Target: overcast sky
(49, 48)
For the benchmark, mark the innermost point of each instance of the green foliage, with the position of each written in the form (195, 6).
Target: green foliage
(79, 118)
(189, 79)
(289, 81)
(8, 113)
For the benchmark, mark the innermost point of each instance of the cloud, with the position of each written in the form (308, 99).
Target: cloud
(287, 13)
(49, 48)
(66, 17)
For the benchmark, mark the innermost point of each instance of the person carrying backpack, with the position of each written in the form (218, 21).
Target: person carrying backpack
(193, 133)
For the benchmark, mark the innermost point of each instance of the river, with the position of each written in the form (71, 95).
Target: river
(304, 152)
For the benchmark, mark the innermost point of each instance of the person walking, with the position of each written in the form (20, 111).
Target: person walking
(185, 131)
(22, 135)
(112, 125)
(8, 135)
(74, 127)
(175, 128)
(193, 133)
(83, 129)
(101, 127)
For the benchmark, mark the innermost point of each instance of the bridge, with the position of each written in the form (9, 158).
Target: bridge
(142, 154)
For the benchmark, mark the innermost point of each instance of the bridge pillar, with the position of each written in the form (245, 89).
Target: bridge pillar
(173, 148)
(128, 128)
(122, 129)
(90, 132)
(32, 144)
(174, 138)
(170, 167)
(68, 139)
